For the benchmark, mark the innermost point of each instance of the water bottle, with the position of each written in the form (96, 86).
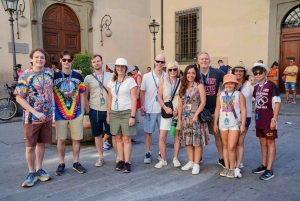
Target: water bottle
(173, 126)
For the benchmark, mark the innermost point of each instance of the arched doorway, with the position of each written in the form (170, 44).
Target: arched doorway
(290, 43)
(61, 31)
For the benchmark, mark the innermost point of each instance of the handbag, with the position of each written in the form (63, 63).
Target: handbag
(205, 116)
(169, 104)
(283, 78)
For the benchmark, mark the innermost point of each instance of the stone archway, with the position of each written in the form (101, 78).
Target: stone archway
(61, 31)
(290, 42)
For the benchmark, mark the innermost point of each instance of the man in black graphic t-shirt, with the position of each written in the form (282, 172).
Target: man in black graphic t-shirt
(211, 78)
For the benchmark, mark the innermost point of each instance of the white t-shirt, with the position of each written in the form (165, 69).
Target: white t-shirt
(95, 90)
(227, 112)
(149, 86)
(124, 97)
(247, 91)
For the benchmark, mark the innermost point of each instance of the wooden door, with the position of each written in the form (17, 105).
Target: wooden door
(290, 47)
(61, 31)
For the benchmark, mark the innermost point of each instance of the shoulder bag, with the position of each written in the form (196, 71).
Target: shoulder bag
(169, 104)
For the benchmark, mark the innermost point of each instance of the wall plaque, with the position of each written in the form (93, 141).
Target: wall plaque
(20, 48)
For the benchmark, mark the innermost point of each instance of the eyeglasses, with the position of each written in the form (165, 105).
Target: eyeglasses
(173, 69)
(258, 73)
(69, 60)
(158, 61)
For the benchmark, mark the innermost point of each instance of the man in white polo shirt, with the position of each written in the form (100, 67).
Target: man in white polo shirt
(149, 102)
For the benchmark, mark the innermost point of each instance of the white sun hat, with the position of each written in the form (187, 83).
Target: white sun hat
(260, 65)
(121, 62)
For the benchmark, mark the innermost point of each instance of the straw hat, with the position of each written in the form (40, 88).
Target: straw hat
(230, 78)
(121, 62)
(260, 65)
(239, 66)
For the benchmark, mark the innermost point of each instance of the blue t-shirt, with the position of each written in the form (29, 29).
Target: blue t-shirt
(224, 69)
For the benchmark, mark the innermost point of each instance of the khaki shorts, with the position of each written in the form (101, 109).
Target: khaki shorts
(211, 129)
(119, 123)
(37, 133)
(76, 128)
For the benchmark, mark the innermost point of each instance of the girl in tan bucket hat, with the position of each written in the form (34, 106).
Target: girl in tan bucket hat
(230, 119)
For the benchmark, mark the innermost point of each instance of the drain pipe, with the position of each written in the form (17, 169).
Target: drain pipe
(162, 24)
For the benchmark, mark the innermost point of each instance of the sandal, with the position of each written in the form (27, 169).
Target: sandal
(286, 101)
(294, 102)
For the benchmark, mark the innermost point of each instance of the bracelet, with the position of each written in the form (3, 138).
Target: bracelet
(273, 119)
(132, 117)
(163, 106)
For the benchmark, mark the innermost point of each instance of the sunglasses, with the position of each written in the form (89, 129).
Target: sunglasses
(69, 60)
(158, 61)
(258, 73)
(173, 69)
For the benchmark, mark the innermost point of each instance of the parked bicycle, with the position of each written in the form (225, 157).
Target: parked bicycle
(8, 106)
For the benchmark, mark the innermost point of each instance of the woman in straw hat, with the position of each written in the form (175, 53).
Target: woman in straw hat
(230, 112)
(121, 108)
(244, 86)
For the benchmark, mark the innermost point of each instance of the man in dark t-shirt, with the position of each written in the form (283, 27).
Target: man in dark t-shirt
(223, 67)
(211, 78)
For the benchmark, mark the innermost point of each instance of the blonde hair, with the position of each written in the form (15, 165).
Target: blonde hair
(203, 53)
(171, 64)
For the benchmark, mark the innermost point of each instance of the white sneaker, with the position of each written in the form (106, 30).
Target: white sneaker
(241, 165)
(99, 162)
(105, 146)
(188, 166)
(237, 173)
(196, 169)
(161, 163)
(176, 162)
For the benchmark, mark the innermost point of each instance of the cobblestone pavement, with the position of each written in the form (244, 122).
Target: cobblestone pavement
(148, 183)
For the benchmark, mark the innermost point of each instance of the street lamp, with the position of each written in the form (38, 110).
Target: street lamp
(154, 27)
(22, 21)
(10, 6)
(107, 22)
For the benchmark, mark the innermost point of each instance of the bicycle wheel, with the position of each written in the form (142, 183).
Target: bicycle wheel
(8, 109)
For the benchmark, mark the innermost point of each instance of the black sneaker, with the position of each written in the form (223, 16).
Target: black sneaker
(267, 175)
(78, 167)
(127, 168)
(60, 169)
(222, 162)
(260, 169)
(119, 166)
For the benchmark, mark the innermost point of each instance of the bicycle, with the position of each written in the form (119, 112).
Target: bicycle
(8, 106)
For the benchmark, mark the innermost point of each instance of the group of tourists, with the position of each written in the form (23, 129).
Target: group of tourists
(112, 100)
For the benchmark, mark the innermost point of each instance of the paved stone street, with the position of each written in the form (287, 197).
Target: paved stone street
(148, 183)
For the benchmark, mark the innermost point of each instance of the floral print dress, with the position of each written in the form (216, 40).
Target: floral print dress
(195, 134)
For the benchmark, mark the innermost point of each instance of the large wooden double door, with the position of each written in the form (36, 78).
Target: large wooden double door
(61, 31)
(290, 48)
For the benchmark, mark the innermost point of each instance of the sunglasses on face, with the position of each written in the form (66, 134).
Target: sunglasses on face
(258, 73)
(158, 61)
(69, 60)
(173, 69)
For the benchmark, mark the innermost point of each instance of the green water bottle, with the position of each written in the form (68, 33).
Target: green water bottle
(173, 126)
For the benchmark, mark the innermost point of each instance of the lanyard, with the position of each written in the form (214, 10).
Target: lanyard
(69, 78)
(228, 100)
(188, 94)
(43, 80)
(100, 83)
(155, 81)
(207, 77)
(240, 90)
(259, 92)
(118, 88)
(173, 88)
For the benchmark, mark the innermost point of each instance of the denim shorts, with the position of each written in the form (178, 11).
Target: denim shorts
(98, 120)
(290, 86)
(150, 121)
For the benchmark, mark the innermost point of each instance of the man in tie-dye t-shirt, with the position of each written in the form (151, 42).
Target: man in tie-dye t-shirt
(68, 92)
(34, 93)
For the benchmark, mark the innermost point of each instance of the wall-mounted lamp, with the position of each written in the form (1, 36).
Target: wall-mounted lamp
(107, 22)
(22, 21)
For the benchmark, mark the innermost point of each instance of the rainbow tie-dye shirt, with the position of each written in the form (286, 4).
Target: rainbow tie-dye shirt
(67, 95)
(36, 89)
